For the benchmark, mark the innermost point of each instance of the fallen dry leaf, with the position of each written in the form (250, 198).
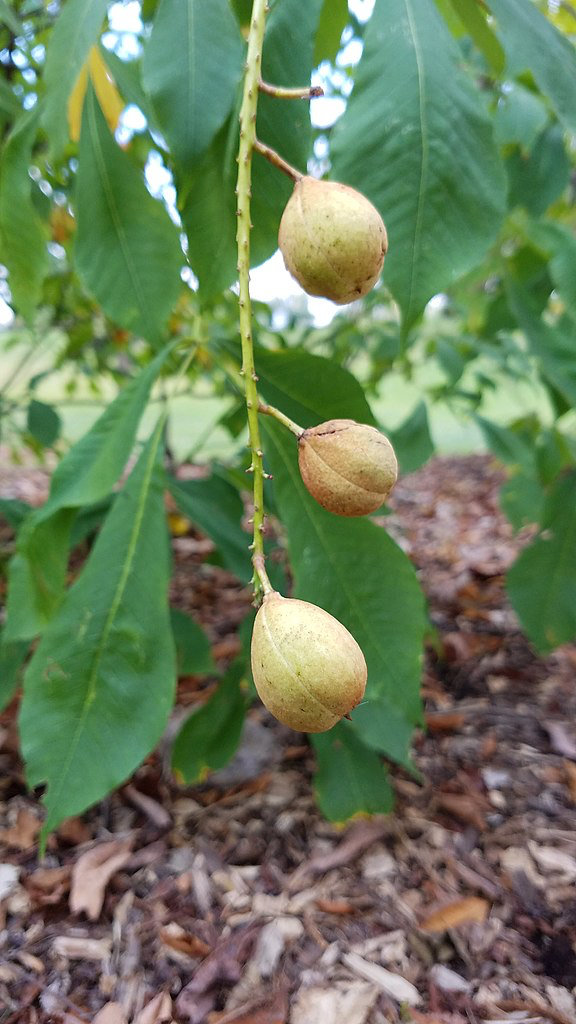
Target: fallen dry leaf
(274, 1011)
(466, 911)
(337, 1004)
(158, 1010)
(23, 833)
(112, 1013)
(570, 770)
(336, 906)
(175, 937)
(92, 872)
(464, 807)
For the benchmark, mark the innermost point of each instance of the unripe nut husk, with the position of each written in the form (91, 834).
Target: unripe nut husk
(307, 668)
(333, 240)
(348, 467)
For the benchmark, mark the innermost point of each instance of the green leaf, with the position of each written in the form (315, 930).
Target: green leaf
(537, 178)
(194, 90)
(310, 388)
(207, 199)
(127, 250)
(522, 499)
(43, 422)
(14, 511)
(350, 778)
(473, 18)
(210, 737)
(560, 244)
(355, 571)
(37, 573)
(12, 656)
(542, 581)
(333, 21)
(412, 441)
(23, 236)
(508, 445)
(208, 209)
(99, 689)
(520, 117)
(84, 476)
(193, 649)
(533, 44)
(553, 346)
(416, 139)
(76, 29)
(283, 125)
(216, 507)
(8, 17)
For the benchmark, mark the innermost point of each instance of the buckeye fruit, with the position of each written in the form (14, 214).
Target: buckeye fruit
(348, 467)
(333, 240)
(307, 668)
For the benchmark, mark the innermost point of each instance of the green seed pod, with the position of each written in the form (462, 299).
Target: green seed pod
(348, 467)
(333, 240)
(307, 668)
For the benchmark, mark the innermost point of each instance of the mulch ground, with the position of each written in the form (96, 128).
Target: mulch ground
(234, 902)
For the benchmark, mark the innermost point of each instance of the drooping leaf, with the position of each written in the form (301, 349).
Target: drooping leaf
(193, 651)
(520, 117)
(100, 685)
(533, 44)
(23, 236)
(127, 250)
(333, 21)
(43, 422)
(216, 507)
(84, 476)
(537, 178)
(542, 582)
(283, 125)
(412, 441)
(473, 18)
(193, 92)
(416, 139)
(350, 778)
(521, 499)
(310, 388)
(12, 657)
(508, 445)
(75, 31)
(353, 569)
(210, 737)
(560, 244)
(207, 199)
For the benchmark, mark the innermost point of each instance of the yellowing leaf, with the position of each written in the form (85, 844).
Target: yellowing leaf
(466, 911)
(109, 98)
(76, 104)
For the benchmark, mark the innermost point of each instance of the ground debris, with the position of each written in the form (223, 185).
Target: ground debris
(234, 902)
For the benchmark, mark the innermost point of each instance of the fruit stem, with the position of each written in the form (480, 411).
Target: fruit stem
(271, 410)
(259, 568)
(277, 160)
(248, 111)
(280, 93)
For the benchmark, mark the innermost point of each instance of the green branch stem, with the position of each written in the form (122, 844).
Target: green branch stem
(248, 112)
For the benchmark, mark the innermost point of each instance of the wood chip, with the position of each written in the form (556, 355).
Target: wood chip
(392, 984)
(81, 947)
